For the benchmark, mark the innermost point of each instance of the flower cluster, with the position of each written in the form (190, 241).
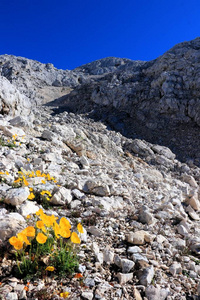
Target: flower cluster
(47, 237)
(10, 143)
(24, 175)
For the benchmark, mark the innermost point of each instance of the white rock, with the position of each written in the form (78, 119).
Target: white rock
(139, 237)
(17, 196)
(28, 207)
(77, 194)
(10, 131)
(175, 269)
(12, 296)
(146, 276)
(108, 255)
(156, 293)
(62, 196)
(182, 230)
(190, 179)
(134, 249)
(193, 201)
(124, 278)
(126, 265)
(17, 217)
(83, 236)
(87, 295)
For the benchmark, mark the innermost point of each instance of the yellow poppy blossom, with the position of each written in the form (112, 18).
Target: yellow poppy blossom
(29, 231)
(80, 228)
(23, 238)
(48, 220)
(64, 223)
(25, 181)
(56, 230)
(64, 295)
(31, 196)
(75, 239)
(16, 243)
(39, 224)
(50, 268)
(38, 173)
(17, 180)
(65, 232)
(39, 212)
(41, 238)
(13, 240)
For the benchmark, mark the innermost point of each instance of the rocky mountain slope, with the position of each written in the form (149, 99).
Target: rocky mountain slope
(102, 136)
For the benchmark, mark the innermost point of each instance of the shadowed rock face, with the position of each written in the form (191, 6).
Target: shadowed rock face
(158, 100)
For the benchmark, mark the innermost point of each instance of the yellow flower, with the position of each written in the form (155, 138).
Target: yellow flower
(64, 223)
(16, 243)
(48, 177)
(46, 193)
(31, 196)
(7, 173)
(13, 240)
(30, 189)
(2, 173)
(39, 212)
(28, 159)
(28, 216)
(32, 174)
(38, 173)
(39, 224)
(14, 136)
(25, 181)
(75, 239)
(48, 220)
(43, 181)
(64, 295)
(65, 232)
(17, 180)
(41, 238)
(50, 268)
(80, 228)
(23, 238)
(56, 230)
(29, 231)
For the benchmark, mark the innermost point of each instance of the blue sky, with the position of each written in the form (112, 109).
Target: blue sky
(71, 33)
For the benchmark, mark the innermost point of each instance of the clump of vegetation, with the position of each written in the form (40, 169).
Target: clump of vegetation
(11, 143)
(46, 247)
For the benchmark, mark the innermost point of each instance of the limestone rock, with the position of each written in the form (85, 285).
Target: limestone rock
(17, 196)
(9, 226)
(62, 196)
(146, 276)
(156, 293)
(124, 278)
(139, 237)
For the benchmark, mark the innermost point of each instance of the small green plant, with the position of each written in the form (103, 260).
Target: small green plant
(46, 247)
(8, 143)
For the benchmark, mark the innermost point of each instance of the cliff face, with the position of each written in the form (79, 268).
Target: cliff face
(158, 100)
